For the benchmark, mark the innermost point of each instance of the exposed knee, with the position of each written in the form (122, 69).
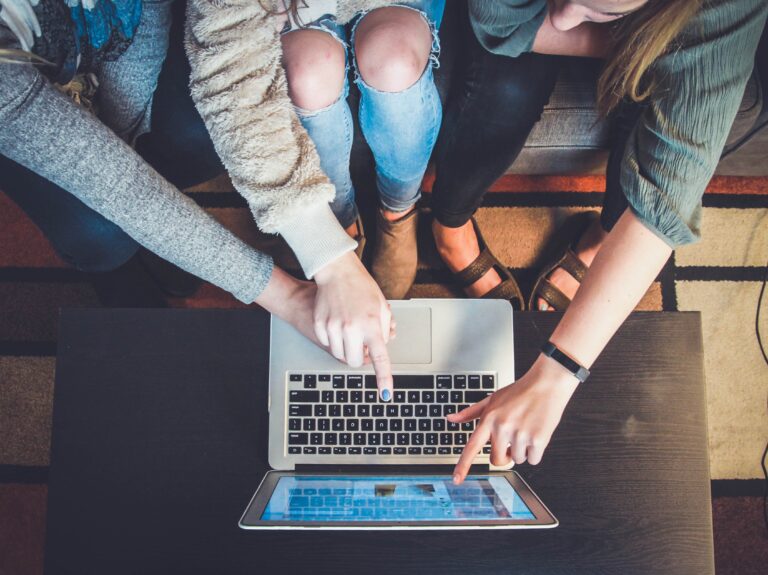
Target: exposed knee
(392, 48)
(314, 63)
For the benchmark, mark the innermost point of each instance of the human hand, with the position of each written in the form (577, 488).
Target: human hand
(20, 18)
(519, 420)
(352, 318)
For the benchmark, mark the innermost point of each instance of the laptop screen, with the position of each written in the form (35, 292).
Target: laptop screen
(394, 498)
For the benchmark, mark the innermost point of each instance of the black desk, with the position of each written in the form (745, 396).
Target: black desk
(159, 440)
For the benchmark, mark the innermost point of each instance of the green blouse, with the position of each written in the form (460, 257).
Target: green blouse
(674, 149)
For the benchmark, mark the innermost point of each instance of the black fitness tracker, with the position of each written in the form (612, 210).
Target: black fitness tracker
(579, 371)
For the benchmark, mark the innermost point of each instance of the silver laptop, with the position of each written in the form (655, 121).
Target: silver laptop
(323, 414)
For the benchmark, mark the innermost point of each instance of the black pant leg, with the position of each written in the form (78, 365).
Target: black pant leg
(493, 105)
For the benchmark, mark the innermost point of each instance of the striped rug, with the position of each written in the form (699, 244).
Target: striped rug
(721, 277)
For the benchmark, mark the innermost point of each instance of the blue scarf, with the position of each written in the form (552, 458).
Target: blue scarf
(76, 34)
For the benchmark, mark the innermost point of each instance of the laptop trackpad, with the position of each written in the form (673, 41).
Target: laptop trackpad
(413, 343)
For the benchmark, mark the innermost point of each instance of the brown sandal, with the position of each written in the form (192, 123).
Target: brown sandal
(507, 289)
(573, 229)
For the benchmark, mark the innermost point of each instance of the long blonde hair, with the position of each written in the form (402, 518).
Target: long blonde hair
(639, 40)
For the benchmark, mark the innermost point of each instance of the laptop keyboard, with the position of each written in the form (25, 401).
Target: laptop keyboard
(332, 414)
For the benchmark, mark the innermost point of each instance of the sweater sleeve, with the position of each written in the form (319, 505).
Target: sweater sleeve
(239, 87)
(675, 147)
(507, 27)
(45, 132)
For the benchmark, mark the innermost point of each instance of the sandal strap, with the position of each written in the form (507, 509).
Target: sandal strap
(509, 290)
(547, 291)
(477, 269)
(571, 263)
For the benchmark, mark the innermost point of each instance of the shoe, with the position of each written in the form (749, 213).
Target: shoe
(395, 254)
(508, 289)
(360, 238)
(566, 240)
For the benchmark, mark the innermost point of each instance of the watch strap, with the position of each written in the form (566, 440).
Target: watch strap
(579, 371)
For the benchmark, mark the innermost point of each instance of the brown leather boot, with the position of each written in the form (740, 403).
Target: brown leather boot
(395, 254)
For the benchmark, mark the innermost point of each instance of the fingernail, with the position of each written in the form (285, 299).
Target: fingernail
(456, 479)
(386, 395)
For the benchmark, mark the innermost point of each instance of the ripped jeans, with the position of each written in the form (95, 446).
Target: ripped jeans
(400, 127)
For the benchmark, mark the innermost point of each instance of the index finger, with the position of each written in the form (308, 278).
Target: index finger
(377, 351)
(476, 442)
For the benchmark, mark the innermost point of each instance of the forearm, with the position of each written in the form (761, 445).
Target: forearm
(72, 149)
(588, 40)
(628, 261)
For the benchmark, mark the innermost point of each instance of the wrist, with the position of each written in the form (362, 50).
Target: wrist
(547, 369)
(338, 267)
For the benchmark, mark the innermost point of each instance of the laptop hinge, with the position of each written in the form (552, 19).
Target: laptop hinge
(437, 469)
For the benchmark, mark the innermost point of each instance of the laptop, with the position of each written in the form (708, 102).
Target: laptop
(344, 459)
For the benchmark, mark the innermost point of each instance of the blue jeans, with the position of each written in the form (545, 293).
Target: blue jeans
(400, 127)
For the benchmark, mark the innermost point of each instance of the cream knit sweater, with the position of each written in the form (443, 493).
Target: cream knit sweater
(240, 89)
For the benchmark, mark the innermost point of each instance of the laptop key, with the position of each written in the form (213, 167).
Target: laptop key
(348, 410)
(298, 439)
(451, 426)
(339, 450)
(294, 424)
(443, 382)
(324, 450)
(377, 410)
(413, 397)
(395, 424)
(294, 377)
(381, 425)
(392, 411)
(475, 396)
(363, 410)
(414, 451)
(353, 450)
(356, 396)
(300, 411)
(342, 396)
(438, 424)
(473, 382)
(353, 424)
(294, 449)
(321, 410)
(435, 410)
(432, 438)
(414, 382)
(425, 425)
(369, 451)
(442, 397)
(410, 425)
(338, 382)
(310, 381)
(324, 377)
(370, 397)
(374, 439)
(385, 450)
(430, 450)
(355, 381)
(428, 396)
(309, 424)
(406, 411)
(345, 438)
(366, 425)
(444, 450)
(421, 411)
(337, 425)
(468, 426)
(460, 438)
(457, 396)
(331, 439)
(417, 438)
(488, 382)
(370, 382)
(324, 424)
(327, 396)
(446, 439)
(487, 449)
(334, 410)
(315, 438)
(359, 438)
(457, 450)
(310, 450)
(402, 439)
(399, 397)
(399, 451)
(459, 382)
(389, 438)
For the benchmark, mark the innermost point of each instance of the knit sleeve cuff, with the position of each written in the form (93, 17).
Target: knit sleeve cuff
(315, 236)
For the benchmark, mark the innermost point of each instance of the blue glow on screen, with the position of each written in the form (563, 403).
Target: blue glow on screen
(391, 498)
